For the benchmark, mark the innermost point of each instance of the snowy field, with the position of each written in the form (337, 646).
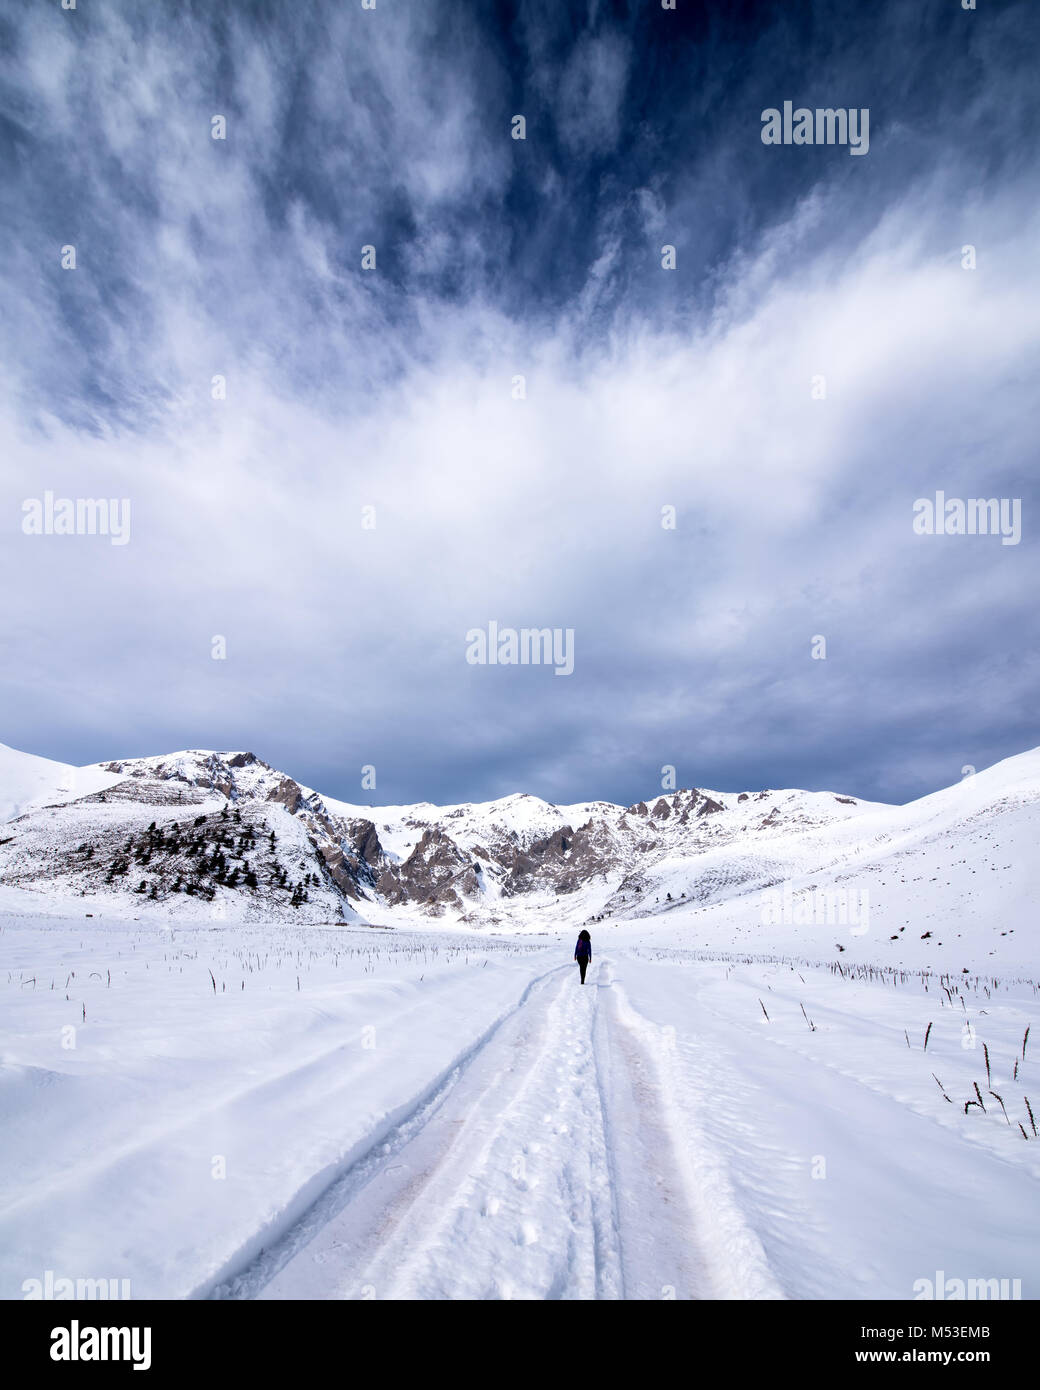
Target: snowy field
(280, 1111)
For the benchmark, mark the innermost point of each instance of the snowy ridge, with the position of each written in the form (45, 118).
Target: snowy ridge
(27, 781)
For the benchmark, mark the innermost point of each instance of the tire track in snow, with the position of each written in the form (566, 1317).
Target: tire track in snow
(723, 1257)
(503, 1193)
(316, 1204)
(661, 1253)
(549, 1165)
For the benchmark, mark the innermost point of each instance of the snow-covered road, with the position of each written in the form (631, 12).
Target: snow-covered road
(249, 1112)
(545, 1167)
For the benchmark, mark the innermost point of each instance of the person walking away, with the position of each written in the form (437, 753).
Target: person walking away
(583, 952)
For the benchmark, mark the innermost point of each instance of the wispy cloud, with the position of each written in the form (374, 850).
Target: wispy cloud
(395, 389)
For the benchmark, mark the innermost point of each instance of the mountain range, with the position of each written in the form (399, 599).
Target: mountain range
(226, 836)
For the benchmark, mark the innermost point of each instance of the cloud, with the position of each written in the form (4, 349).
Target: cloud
(394, 389)
(592, 92)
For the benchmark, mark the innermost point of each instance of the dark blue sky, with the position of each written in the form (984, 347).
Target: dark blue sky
(646, 388)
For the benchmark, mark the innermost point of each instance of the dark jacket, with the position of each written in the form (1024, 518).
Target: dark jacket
(583, 950)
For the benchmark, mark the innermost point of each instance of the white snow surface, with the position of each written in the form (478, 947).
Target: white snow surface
(27, 781)
(283, 1112)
